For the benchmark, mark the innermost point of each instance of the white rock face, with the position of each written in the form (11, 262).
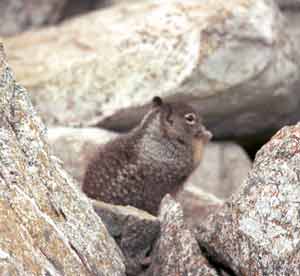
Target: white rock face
(232, 58)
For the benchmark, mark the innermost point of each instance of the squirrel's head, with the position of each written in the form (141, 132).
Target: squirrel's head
(181, 121)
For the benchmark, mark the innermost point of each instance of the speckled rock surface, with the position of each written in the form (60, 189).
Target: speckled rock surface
(92, 66)
(176, 251)
(134, 230)
(197, 204)
(258, 231)
(47, 226)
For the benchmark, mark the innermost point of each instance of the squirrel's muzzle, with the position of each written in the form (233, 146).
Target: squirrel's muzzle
(204, 134)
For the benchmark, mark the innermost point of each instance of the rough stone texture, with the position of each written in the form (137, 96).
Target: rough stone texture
(48, 227)
(176, 251)
(224, 167)
(134, 230)
(258, 232)
(197, 204)
(208, 52)
(19, 15)
(76, 146)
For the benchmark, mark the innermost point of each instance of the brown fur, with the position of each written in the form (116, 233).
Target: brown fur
(154, 159)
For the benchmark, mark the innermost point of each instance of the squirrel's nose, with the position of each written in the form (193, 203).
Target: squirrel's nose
(205, 134)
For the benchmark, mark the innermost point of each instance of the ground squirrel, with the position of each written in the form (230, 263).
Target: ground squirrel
(153, 159)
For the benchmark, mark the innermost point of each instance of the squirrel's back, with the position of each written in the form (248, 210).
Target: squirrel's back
(154, 159)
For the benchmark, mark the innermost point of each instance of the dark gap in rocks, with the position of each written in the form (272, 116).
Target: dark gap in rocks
(291, 8)
(101, 4)
(82, 259)
(76, 7)
(218, 266)
(116, 238)
(146, 262)
(253, 144)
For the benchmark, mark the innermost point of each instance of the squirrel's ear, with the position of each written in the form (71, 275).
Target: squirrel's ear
(157, 101)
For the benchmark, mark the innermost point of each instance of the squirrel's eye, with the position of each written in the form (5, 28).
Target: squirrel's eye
(190, 118)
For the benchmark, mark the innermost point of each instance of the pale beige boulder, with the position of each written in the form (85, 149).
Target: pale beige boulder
(229, 58)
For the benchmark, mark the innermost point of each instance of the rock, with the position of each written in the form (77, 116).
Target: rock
(48, 227)
(134, 230)
(219, 53)
(288, 4)
(76, 146)
(197, 204)
(176, 251)
(74, 8)
(20, 15)
(293, 22)
(99, 4)
(257, 232)
(224, 167)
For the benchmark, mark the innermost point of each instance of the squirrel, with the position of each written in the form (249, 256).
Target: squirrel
(155, 158)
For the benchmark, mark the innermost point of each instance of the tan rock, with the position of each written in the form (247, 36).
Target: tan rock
(197, 204)
(176, 251)
(211, 52)
(47, 225)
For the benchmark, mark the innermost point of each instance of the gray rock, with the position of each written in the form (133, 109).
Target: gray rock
(293, 22)
(134, 230)
(257, 232)
(224, 167)
(218, 53)
(197, 204)
(20, 15)
(48, 227)
(288, 4)
(176, 251)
